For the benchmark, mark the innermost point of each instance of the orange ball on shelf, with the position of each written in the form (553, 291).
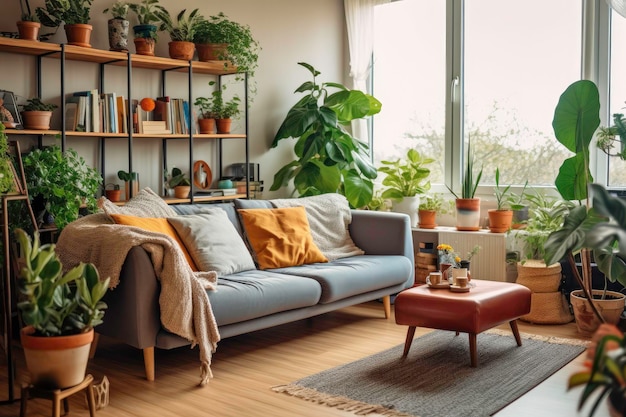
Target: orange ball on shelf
(147, 104)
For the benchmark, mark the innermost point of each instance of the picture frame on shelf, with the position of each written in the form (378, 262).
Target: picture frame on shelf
(9, 104)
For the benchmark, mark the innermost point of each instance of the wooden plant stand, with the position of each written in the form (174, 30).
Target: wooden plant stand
(29, 391)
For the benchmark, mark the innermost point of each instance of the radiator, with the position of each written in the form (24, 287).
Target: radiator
(489, 263)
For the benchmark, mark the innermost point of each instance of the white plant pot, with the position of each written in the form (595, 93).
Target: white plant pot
(408, 205)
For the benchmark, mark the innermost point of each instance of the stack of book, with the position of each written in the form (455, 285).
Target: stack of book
(255, 187)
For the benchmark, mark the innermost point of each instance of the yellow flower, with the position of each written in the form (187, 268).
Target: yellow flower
(444, 247)
(457, 259)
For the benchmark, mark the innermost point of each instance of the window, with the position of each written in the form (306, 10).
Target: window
(617, 93)
(513, 61)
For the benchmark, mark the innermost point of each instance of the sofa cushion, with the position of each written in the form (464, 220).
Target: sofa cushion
(229, 208)
(145, 204)
(213, 242)
(159, 225)
(280, 237)
(346, 277)
(252, 294)
(329, 216)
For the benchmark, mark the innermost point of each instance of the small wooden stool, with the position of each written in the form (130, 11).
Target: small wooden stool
(30, 391)
(486, 305)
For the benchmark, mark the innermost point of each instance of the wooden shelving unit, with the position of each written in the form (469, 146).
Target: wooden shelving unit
(129, 61)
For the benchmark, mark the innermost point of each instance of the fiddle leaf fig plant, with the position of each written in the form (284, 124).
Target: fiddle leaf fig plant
(328, 158)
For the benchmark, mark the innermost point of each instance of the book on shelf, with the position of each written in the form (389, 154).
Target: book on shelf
(154, 127)
(71, 114)
(163, 112)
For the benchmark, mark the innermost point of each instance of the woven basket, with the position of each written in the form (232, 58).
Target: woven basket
(548, 308)
(538, 277)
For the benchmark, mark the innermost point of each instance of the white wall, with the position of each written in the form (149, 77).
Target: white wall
(289, 31)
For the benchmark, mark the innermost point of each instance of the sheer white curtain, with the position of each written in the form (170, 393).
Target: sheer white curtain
(618, 5)
(360, 24)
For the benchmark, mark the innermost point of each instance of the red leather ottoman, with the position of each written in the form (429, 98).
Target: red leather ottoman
(486, 305)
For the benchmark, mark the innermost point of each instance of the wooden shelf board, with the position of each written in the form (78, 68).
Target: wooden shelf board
(121, 135)
(174, 200)
(101, 56)
(31, 132)
(24, 47)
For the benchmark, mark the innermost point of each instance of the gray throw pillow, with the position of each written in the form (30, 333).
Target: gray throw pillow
(213, 242)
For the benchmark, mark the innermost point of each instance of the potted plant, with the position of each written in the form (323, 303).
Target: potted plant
(329, 158)
(378, 203)
(576, 118)
(131, 181)
(36, 114)
(181, 32)
(28, 26)
(59, 311)
(7, 173)
(74, 14)
(113, 192)
(519, 204)
(146, 29)
(180, 183)
(501, 217)
(60, 183)
(224, 111)
(606, 373)
(118, 26)
(430, 207)
(606, 137)
(468, 206)
(206, 120)
(405, 180)
(219, 38)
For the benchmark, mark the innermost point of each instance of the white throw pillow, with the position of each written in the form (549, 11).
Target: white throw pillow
(145, 204)
(213, 242)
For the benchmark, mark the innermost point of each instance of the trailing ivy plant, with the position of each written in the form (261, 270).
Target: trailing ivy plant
(329, 158)
(63, 180)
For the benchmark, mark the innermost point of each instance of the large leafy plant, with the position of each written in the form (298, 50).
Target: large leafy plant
(63, 180)
(576, 118)
(329, 158)
(406, 177)
(69, 12)
(58, 304)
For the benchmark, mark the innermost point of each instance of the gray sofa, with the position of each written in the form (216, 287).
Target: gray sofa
(257, 299)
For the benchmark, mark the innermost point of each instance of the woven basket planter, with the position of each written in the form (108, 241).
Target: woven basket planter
(548, 308)
(548, 304)
(538, 277)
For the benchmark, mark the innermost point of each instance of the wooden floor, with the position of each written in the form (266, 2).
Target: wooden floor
(244, 368)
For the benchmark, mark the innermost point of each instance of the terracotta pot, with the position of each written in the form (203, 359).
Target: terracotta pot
(500, 220)
(113, 195)
(118, 34)
(78, 34)
(144, 46)
(182, 191)
(28, 30)
(57, 361)
(223, 125)
(211, 51)
(610, 308)
(206, 125)
(182, 50)
(468, 214)
(39, 120)
(427, 219)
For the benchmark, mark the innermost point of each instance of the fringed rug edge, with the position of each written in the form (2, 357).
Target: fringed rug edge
(547, 339)
(336, 401)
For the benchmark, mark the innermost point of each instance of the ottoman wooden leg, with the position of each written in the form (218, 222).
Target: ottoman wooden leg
(518, 339)
(473, 350)
(409, 339)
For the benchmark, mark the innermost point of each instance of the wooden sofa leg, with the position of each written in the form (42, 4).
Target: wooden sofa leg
(387, 306)
(148, 362)
(94, 345)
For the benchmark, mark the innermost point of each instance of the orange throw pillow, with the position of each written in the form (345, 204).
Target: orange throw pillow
(152, 224)
(280, 237)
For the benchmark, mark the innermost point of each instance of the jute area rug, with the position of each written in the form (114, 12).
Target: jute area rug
(436, 379)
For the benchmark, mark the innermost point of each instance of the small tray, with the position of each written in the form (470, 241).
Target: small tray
(456, 288)
(443, 284)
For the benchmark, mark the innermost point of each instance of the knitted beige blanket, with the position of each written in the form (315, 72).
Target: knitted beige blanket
(185, 307)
